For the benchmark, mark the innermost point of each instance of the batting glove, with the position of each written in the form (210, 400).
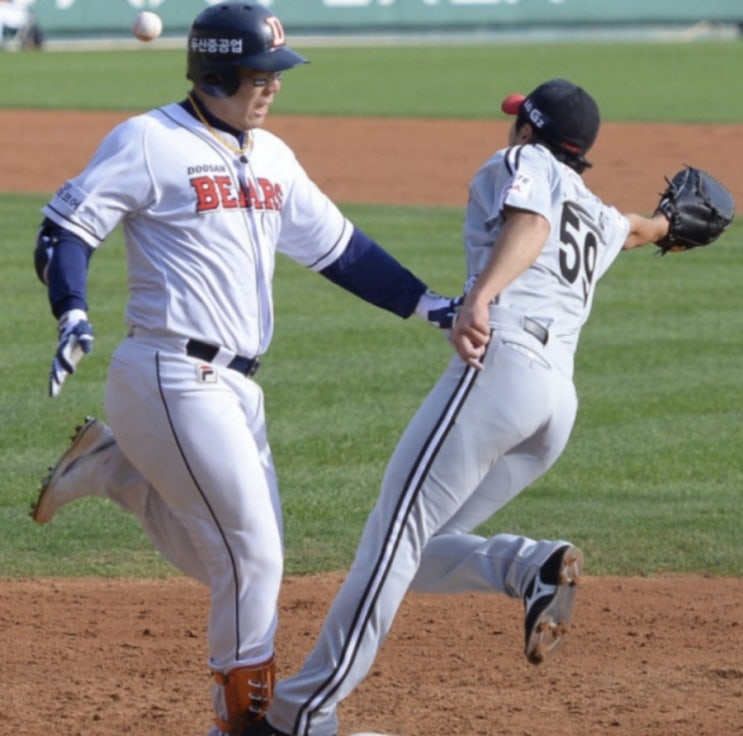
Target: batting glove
(438, 310)
(76, 337)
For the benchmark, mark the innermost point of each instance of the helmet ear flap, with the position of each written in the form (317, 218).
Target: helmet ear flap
(223, 83)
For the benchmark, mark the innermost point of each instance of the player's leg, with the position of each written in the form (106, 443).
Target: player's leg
(455, 561)
(543, 573)
(202, 446)
(164, 529)
(461, 428)
(385, 562)
(94, 465)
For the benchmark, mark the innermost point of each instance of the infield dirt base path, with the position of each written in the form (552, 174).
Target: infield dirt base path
(654, 656)
(394, 161)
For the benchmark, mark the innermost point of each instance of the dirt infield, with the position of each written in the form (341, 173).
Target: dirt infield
(399, 161)
(654, 656)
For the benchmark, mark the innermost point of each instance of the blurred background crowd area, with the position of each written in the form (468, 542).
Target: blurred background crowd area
(37, 24)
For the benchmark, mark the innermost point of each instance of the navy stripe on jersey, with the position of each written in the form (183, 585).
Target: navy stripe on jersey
(341, 237)
(408, 499)
(513, 159)
(61, 216)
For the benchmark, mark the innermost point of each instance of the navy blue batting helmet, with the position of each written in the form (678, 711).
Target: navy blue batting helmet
(229, 36)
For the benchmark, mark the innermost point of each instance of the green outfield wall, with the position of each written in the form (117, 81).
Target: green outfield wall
(113, 17)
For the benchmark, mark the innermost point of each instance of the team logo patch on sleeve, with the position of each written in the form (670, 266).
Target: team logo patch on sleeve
(520, 186)
(68, 197)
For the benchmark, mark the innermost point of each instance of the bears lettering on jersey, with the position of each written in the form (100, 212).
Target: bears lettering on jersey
(219, 192)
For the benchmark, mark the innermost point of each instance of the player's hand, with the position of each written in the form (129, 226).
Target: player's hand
(470, 333)
(76, 337)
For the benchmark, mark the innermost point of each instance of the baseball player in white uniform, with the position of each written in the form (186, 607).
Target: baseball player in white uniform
(206, 199)
(536, 242)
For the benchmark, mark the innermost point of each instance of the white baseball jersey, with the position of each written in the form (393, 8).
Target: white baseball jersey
(185, 200)
(202, 219)
(585, 236)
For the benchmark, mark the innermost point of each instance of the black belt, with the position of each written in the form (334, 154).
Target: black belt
(536, 330)
(207, 352)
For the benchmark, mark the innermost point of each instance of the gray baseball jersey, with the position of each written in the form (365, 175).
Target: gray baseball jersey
(478, 439)
(585, 236)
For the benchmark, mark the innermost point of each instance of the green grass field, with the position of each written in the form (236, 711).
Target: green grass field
(631, 81)
(652, 478)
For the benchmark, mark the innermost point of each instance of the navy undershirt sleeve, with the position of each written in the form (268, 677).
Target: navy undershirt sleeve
(67, 272)
(369, 272)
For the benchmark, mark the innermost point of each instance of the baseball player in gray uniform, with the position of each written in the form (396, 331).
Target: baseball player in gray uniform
(536, 242)
(205, 198)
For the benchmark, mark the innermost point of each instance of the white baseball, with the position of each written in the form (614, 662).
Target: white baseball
(147, 26)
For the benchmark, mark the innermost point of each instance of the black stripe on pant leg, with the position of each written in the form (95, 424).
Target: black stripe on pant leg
(381, 570)
(201, 493)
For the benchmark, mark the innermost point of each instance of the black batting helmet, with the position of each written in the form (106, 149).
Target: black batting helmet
(229, 36)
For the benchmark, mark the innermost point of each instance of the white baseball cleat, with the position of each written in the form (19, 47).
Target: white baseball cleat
(70, 478)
